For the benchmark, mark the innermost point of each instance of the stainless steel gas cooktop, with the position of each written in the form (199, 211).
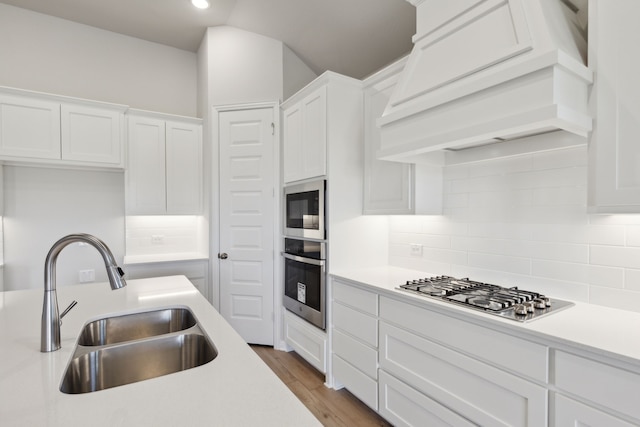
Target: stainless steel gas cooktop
(511, 303)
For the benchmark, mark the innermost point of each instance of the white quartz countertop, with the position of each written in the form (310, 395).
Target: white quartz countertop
(235, 389)
(601, 330)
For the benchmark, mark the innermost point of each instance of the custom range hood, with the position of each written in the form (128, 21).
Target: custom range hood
(489, 71)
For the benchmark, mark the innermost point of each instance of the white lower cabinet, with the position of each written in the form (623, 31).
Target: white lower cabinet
(307, 340)
(354, 341)
(614, 389)
(568, 412)
(404, 406)
(472, 389)
(421, 365)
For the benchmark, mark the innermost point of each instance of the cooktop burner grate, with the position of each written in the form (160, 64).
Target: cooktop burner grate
(511, 303)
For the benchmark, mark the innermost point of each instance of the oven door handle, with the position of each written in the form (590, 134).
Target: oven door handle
(319, 262)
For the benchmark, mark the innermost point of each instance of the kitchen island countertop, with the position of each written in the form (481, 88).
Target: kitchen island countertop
(600, 330)
(235, 389)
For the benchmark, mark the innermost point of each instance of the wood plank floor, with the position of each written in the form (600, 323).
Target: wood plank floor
(331, 407)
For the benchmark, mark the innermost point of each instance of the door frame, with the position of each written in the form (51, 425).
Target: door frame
(214, 223)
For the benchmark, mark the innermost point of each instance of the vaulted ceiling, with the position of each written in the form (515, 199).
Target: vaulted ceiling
(351, 37)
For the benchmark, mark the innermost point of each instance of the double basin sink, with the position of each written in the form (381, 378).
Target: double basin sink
(124, 349)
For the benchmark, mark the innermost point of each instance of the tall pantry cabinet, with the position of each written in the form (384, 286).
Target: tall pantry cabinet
(322, 139)
(614, 152)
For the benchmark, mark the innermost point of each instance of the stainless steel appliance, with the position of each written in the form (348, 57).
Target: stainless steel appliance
(304, 279)
(510, 303)
(304, 210)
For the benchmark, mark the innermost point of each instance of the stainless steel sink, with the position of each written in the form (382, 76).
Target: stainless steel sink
(126, 349)
(135, 326)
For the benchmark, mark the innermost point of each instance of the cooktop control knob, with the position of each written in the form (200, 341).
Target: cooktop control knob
(547, 300)
(529, 306)
(539, 303)
(520, 309)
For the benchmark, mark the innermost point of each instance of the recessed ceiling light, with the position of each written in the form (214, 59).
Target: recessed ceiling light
(200, 4)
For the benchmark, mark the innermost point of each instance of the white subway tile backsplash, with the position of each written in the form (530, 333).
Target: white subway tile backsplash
(560, 159)
(617, 298)
(500, 166)
(560, 196)
(615, 256)
(177, 234)
(632, 280)
(509, 264)
(633, 236)
(523, 221)
(456, 201)
(550, 178)
(455, 172)
(569, 252)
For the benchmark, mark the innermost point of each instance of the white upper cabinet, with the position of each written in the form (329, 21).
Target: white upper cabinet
(614, 162)
(393, 188)
(184, 167)
(292, 140)
(92, 134)
(52, 130)
(164, 174)
(29, 127)
(146, 191)
(387, 185)
(305, 137)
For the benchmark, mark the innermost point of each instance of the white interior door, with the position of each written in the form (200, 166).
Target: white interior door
(247, 223)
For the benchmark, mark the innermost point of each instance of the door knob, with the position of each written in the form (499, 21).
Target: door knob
(223, 255)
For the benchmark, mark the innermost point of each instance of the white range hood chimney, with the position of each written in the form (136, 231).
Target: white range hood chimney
(484, 71)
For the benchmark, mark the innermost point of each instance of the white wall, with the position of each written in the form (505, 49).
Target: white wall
(296, 74)
(243, 67)
(523, 222)
(42, 205)
(48, 54)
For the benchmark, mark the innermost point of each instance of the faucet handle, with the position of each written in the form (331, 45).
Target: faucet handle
(68, 309)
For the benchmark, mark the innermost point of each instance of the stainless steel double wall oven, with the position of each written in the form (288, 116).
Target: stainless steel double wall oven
(304, 251)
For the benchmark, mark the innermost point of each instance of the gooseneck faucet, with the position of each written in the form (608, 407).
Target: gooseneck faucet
(50, 328)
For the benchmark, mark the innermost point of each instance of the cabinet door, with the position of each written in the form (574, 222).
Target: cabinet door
(314, 134)
(614, 150)
(146, 190)
(184, 168)
(387, 185)
(91, 135)
(568, 412)
(292, 143)
(29, 128)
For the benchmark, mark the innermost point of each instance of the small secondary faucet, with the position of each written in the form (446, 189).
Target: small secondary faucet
(50, 328)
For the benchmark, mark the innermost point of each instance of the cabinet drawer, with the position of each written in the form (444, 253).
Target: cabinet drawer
(308, 341)
(568, 412)
(404, 406)
(360, 385)
(524, 357)
(606, 385)
(479, 392)
(356, 353)
(355, 323)
(355, 297)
